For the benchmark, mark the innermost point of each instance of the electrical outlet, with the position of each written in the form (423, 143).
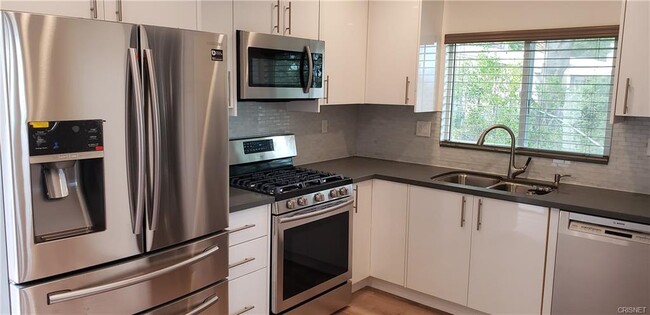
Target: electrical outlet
(323, 126)
(423, 129)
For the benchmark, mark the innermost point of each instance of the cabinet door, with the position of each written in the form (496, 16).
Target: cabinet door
(91, 9)
(361, 231)
(262, 16)
(217, 17)
(300, 18)
(633, 99)
(176, 13)
(393, 38)
(249, 294)
(508, 257)
(344, 28)
(439, 233)
(388, 231)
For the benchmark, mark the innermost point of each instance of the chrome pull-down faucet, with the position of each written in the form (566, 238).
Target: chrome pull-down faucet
(513, 170)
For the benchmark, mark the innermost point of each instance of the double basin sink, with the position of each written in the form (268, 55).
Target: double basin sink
(490, 181)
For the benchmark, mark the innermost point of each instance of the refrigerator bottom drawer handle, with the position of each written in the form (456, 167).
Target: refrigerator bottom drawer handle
(204, 306)
(67, 295)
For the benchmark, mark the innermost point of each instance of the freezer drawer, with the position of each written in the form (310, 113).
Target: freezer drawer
(130, 287)
(211, 300)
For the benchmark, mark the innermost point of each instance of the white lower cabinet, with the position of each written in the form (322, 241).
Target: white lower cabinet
(361, 222)
(248, 261)
(439, 239)
(506, 274)
(388, 231)
(248, 294)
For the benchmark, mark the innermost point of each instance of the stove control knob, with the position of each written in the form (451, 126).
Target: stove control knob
(302, 201)
(318, 197)
(343, 191)
(334, 193)
(291, 204)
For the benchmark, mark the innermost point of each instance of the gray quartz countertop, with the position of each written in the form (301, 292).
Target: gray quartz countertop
(242, 199)
(620, 205)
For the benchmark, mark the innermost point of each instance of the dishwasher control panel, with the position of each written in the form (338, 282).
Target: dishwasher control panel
(609, 232)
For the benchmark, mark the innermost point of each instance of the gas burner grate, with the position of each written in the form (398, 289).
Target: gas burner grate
(279, 181)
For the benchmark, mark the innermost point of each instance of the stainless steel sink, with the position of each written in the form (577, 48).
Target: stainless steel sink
(522, 188)
(467, 178)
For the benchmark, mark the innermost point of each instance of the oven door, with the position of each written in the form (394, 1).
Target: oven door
(273, 67)
(312, 251)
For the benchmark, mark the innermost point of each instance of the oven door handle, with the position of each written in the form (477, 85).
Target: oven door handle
(316, 213)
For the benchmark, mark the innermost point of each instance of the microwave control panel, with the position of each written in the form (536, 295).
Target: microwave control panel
(57, 137)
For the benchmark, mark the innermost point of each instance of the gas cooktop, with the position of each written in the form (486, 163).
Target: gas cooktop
(288, 181)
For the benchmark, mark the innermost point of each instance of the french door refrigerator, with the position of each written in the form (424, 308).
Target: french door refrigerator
(113, 160)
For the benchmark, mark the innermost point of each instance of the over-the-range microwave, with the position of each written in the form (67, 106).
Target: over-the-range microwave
(278, 68)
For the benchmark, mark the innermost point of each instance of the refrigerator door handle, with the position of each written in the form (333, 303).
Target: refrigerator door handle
(204, 305)
(157, 137)
(134, 70)
(67, 295)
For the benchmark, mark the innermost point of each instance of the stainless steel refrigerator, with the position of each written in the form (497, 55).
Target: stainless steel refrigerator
(113, 155)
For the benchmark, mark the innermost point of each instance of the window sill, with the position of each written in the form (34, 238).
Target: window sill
(529, 152)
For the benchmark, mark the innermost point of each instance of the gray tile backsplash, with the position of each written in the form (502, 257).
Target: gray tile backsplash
(388, 132)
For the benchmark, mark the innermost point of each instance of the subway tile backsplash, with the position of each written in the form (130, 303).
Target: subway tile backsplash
(388, 132)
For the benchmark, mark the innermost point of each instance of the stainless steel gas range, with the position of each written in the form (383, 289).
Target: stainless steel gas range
(311, 247)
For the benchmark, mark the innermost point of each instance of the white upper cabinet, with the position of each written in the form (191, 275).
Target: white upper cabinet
(388, 231)
(361, 227)
(440, 230)
(393, 39)
(217, 16)
(92, 9)
(633, 87)
(344, 28)
(297, 18)
(178, 13)
(508, 257)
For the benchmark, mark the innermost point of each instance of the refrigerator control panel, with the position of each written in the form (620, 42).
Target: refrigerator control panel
(57, 137)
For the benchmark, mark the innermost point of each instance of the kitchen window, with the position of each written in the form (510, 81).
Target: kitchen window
(553, 88)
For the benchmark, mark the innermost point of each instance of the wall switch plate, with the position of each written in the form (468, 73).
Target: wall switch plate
(423, 129)
(323, 126)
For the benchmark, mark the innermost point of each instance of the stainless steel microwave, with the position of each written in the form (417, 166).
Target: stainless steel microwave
(279, 68)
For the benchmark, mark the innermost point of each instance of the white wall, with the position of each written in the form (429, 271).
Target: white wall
(463, 16)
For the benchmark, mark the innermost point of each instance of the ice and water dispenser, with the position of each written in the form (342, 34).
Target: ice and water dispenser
(67, 178)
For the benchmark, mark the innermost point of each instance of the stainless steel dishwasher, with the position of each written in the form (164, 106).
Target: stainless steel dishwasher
(602, 266)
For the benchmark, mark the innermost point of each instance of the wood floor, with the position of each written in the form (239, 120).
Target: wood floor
(369, 301)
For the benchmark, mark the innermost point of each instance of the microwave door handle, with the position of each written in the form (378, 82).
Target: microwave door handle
(68, 295)
(310, 74)
(155, 108)
(134, 69)
(316, 213)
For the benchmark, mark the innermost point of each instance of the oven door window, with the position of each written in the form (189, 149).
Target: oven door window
(282, 69)
(314, 253)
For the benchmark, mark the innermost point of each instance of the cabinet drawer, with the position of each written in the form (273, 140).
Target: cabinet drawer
(249, 294)
(249, 224)
(248, 257)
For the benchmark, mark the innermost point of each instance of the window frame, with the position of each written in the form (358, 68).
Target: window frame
(528, 37)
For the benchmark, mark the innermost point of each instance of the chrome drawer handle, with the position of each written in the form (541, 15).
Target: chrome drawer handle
(241, 228)
(246, 309)
(244, 261)
(209, 301)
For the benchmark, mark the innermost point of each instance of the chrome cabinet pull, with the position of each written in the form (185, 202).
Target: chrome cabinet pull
(118, 11)
(241, 228)
(157, 130)
(627, 89)
(67, 295)
(93, 9)
(209, 301)
(277, 23)
(327, 89)
(239, 263)
(479, 219)
(356, 199)
(246, 309)
(289, 9)
(406, 93)
(462, 212)
(134, 69)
